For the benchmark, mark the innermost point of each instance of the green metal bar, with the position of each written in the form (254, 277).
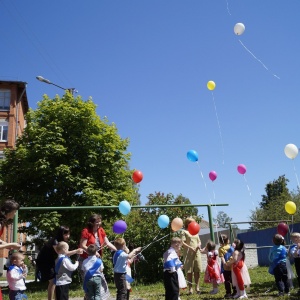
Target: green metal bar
(231, 233)
(15, 228)
(115, 207)
(211, 228)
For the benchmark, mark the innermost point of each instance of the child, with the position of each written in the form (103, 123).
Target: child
(225, 252)
(239, 271)
(277, 257)
(120, 261)
(171, 264)
(63, 271)
(16, 277)
(212, 273)
(94, 284)
(295, 253)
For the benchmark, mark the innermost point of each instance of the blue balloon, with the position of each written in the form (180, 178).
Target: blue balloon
(124, 207)
(163, 221)
(192, 155)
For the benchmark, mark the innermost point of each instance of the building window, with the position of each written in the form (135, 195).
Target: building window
(4, 99)
(3, 132)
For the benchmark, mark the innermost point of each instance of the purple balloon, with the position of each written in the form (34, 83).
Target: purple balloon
(241, 169)
(213, 175)
(119, 227)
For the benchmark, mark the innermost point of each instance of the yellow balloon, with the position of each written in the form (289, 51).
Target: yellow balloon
(290, 207)
(211, 85)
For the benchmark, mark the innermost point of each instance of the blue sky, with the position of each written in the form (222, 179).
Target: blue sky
(146, 65)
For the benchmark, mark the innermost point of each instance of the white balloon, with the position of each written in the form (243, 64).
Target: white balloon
(239, 28)
(291, 151)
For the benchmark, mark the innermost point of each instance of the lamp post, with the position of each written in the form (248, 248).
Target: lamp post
(42, 79)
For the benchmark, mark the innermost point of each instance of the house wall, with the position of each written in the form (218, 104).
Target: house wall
(16, 124)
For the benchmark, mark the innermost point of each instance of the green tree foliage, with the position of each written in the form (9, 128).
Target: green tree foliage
(222, 218)
(272, 206)
(143, 230)
(67, 156)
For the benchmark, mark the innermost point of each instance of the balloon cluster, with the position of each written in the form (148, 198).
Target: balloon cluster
(120, 226)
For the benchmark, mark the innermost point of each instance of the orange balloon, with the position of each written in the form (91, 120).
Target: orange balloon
(176, 224)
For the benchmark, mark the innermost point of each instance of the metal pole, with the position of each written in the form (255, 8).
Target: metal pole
(133, 206)
(211, 227)
(117, 207)
(15, 228)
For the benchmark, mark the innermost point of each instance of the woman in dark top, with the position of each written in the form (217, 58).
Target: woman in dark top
(46, 258)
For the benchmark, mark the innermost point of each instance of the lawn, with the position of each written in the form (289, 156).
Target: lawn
(262, 287)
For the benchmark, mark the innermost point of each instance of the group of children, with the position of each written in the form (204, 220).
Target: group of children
(233, 271)
(280, 266)
(94, 283)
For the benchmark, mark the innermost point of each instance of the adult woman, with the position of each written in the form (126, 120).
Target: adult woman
(191, 256)
(8, 210)
(94, 234)
(46, 258)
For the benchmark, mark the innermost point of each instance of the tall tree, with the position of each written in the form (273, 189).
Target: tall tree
(67, 156)
(222, 218)
(143, 230)
(272, 205)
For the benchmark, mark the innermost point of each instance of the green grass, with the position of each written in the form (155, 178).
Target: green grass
(262, 287)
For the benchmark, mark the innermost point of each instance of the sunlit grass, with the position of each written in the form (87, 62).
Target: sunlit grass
(262, 287)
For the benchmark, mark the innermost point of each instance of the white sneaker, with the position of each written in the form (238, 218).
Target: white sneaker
(243, 297)
(214, 291)
(236, 296)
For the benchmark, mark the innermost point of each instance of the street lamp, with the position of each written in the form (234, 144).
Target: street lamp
(42, 79)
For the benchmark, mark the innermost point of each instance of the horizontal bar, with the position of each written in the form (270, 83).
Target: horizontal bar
(254, 222)
(116, 207)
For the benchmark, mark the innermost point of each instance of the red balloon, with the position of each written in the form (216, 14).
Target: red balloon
(193, 228)
(282, 229)
(137, 176)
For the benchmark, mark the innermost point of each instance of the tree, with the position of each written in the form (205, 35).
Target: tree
(222, 218)
(143, 230)
(67, 156)
(271, 208)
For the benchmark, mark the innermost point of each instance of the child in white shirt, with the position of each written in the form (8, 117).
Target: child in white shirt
(16, 276)
(63, 271)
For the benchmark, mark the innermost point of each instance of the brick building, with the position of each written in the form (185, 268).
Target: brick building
(13, 107)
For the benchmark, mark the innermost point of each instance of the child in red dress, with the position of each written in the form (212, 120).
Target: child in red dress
(213, 272)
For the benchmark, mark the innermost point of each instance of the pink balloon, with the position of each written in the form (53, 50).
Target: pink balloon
(213, 175)
(242, 169)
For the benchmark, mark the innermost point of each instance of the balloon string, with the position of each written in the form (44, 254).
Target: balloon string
(258, 60)
(220, 133)
(296, 174)
(250, 196)
(206, 188)
(153, 241)
(228, 8)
